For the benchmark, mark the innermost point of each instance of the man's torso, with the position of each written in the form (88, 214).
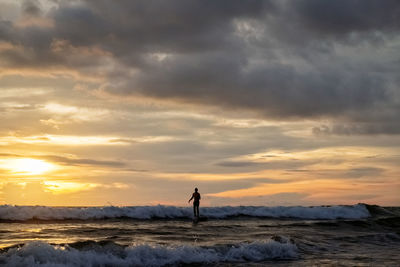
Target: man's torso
(196, 197)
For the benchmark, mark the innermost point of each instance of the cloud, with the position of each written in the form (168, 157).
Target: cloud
(67, 160)
(156, 186)
(81, 161)
(371, 128)
(279, 59)
(344, 16)
(31, 8)
(365, 172)
(274, 165)
(236, 163)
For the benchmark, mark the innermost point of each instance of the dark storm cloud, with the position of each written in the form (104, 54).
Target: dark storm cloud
(276, 90)
(281, 59)
(31, 8)
(344, 16)
(129, 26)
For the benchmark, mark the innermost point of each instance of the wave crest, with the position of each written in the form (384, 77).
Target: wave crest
(40, 253)
(21, 213)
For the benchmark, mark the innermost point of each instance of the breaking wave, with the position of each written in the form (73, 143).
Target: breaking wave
(21, 213)
(92, 253)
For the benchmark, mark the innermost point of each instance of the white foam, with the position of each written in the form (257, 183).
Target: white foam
(43, 254)
(318, 212)
(10, 212)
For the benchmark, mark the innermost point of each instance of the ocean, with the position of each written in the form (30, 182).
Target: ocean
(356, 235)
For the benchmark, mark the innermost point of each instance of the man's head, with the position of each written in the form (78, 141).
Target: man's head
(196, 189)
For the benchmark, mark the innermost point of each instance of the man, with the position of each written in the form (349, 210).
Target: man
(196, 202)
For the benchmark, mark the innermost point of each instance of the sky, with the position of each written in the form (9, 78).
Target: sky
(254, 102)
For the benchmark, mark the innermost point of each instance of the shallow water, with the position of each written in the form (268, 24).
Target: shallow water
(239, 240)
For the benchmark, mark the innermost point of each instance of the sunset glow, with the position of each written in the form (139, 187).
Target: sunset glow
(26, 166)
(137, 104)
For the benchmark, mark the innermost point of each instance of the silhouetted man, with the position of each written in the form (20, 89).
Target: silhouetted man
(196, 202)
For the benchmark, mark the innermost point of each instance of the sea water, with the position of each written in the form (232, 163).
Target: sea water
(359, 235)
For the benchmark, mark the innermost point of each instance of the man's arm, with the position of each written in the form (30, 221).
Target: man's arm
(191, 198)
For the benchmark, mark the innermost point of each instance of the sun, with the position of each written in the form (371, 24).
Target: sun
(28, 166)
